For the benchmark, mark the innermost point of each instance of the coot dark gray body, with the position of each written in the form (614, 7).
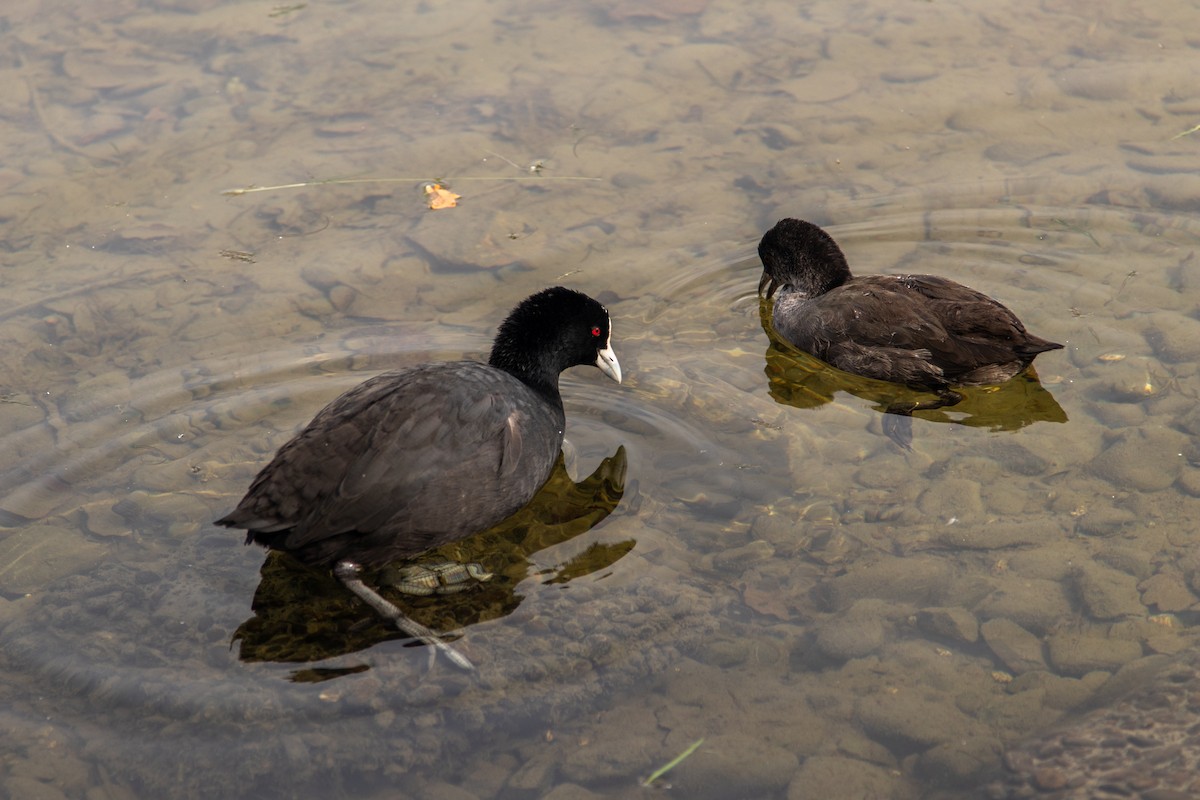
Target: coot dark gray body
(415, 458)
(403, 463)
(920, 330)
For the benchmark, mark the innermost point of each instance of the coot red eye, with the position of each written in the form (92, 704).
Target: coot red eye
(596, 330)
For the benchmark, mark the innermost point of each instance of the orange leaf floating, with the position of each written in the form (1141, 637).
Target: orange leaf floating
(439, 197)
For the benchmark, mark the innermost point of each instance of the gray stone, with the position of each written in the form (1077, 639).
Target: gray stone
(1018, 712)
(1121, 382)
(1016, 457)
(1175, 338)
(918, 580)
(1038, 606)
(1190, 420)
(953, 497)
(1167, 592)
(1143, 459)
(1005, 500)
(36, 498)
(1023, 153)
(613, 757)
(1103, 521)
(32, 557)
(838, 778)
(570, 791)
(1138, 562)
(912, 720)
(440, 790)
(1057, 691)
(738, 559)
(1077, 654)
(537, 773)
(1107, 593)
(1190, 565)
(1189, 481)
(19, 412)
(30, 789)
(849, 636)
(954, 624)
(96, 397)
(725, 653)
(994, 536)
(961, 761)
(734, 766)
(1134, 676)
(1016, 648)
(1052, 562)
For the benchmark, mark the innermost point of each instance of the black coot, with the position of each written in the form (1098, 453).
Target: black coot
(919, 330)
(415, 458)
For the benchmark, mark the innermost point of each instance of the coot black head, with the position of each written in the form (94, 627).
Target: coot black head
(919, 330)
(525, 348)
(801, 256)
(415, 458)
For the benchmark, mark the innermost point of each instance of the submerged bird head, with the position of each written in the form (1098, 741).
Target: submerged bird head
(800, 257)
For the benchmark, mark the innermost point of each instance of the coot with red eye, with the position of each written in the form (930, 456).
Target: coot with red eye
(415, 458)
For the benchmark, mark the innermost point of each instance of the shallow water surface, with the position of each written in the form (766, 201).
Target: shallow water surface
(732, 550)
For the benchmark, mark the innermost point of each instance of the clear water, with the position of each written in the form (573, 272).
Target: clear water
(773, 576)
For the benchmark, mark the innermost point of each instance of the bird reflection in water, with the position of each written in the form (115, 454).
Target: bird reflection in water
(305, 615)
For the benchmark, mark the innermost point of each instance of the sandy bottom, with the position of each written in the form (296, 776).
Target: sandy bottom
(1010, 608)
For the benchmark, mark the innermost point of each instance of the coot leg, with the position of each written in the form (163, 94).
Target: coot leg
(897, 425)
(945, 399)
(897, 419)
(348, 573)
